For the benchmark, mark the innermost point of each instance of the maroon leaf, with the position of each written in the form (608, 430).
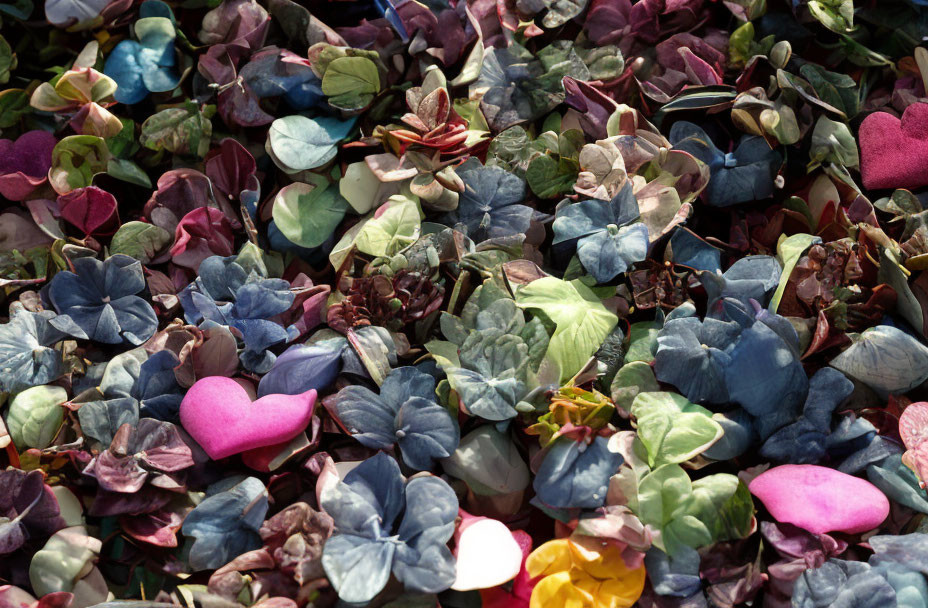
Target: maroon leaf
(200, 234)
(92, 210)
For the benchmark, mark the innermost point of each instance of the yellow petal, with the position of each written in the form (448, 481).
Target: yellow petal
(596, 557)
(549, 558)
(621, 592)
(558, 591)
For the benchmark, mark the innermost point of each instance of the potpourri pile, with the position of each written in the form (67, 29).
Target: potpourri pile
(463, 303)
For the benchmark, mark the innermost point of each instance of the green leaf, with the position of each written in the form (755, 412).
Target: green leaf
(351, 82)
(662, 494)
(895, 275)
(642, 338)
(307, 215)
(445, 353)
(672, 429)
(123, 144)
(128, 171)
(35, 416)
(186, 130)
(549, 178)
(14, 103)
(723, 503)
(838, 90)
(297, 143)
(739, 44)
(489, 462)
(554, 173)
(836, 15)
(832, 141)
(789, 250)
(511, 150)
(562, 11)
(7, 61)
(393, 230)
(631, 380)
(604, 62)
(697, 514)
(360, 187)
(582, 321)
(76, 160)
(140, 240)
(62, 562)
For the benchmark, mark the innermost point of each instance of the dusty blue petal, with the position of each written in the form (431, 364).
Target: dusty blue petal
(262, 300)
(301, 368)
(910, 585)
(676, 576)
(369, 499)
(123, 66)
(26, 356)
(581, 219)
(490, 398)
(157, 390)
(357, 567)
(842, 583)
(260, 334)
(695, 368)
(766, 378)
(67, 290)
(425, 432)
(738, 437)
(750, 278)
(136, 319)
(431, 508)
(101, 419)
(221, 277)
(122, 276)
(406, 382)
(156, 58)
(690, 250)
(898, 482)
(606, 255)
(576, 475)
(910, 550)
(226, 524)
(366, 415)
(490, 205)
(427, 570)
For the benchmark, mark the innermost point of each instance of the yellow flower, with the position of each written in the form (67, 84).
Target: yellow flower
(583, 572)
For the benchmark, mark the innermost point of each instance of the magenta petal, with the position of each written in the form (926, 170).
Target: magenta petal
(819, 499)
(894, 152)
(24, 163)
(91, 209)
(200, 234)
(18, 186)
(31, 154)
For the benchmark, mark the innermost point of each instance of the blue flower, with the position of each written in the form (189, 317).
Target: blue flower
(606, 233)
(146, 66)
(405, 413)
(27, 358)
(97, 301)
(751, 360)
(255, 300)
(747, 174)
(384, 526)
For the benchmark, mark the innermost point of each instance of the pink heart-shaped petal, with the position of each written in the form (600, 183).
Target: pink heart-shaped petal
(819, 499)
(220, 416)
(894, 152)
